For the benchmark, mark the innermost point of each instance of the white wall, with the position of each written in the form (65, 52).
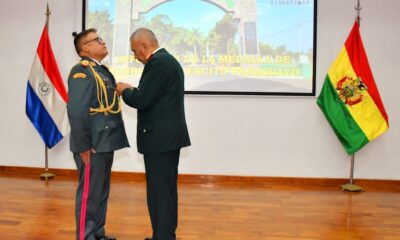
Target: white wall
(231, 135)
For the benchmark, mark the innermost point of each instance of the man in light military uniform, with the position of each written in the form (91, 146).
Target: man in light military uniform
(97, 130)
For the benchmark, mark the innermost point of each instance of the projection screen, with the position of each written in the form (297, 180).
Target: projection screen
(233, 47)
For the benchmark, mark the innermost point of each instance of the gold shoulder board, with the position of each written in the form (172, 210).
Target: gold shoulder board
(84, 63)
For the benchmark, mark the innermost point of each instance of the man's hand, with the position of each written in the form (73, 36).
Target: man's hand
(121, 86)
(86, 155)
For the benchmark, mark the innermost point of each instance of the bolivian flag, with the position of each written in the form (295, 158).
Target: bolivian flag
(350, 99)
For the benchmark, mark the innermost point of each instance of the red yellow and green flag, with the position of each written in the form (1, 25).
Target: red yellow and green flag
(350, 99)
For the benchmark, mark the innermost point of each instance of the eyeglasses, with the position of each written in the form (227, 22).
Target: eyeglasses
(99, 40)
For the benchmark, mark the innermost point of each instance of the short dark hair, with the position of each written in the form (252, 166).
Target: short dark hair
(78, 38)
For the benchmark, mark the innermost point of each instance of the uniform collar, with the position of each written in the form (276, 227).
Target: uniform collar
(151, 54)
(92, 61)
(98, 63)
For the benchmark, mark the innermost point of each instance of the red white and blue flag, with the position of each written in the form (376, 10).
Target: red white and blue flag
(46, 97)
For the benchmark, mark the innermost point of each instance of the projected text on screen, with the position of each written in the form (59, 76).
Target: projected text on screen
(224, 46)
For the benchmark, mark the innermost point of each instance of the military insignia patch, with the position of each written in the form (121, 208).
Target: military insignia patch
(79, 75)
(350, 90)
(105, 79)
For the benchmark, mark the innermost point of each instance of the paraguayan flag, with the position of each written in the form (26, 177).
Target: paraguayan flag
(46, 97)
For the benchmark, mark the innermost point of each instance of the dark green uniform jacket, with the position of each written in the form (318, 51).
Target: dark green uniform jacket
(105, 132)
(159, 100)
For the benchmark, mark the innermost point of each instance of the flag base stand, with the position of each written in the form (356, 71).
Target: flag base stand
(351, 187)
(46, 175)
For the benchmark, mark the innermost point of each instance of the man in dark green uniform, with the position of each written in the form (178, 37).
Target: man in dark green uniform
(97, 130)
(161, 129)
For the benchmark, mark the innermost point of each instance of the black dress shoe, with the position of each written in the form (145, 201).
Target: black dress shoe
(149, 238)
(105, 237)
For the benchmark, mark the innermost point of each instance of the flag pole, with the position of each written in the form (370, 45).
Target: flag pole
(46, 175)
(350, 186)
(358, 10)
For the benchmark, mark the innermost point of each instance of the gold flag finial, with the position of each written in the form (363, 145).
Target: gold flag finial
(48, 11)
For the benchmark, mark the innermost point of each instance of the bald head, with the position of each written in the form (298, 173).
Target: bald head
(143, 43)
(146, 35)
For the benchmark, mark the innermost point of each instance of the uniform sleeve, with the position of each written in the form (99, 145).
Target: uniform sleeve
(150, 88)
(80, 88)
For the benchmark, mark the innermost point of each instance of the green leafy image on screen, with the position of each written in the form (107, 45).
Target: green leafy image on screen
(224, 46)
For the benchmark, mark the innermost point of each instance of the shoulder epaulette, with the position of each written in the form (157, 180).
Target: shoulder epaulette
(77, 68)
(85, 63)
